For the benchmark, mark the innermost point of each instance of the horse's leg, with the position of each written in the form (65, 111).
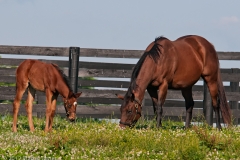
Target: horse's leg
(53, 108)
(29, 105)
(49, 96)
(20, 89)
(189, 103)
(154, 95)
(162, 93)
(213, 89)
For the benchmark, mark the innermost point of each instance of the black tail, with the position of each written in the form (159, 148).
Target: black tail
(225, 109)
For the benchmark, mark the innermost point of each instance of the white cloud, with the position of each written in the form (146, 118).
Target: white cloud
(229, 20)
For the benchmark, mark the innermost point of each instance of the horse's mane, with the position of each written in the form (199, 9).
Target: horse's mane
(65, 78)
(153, 53)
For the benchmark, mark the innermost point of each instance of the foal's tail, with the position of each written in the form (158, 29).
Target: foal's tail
(222, 101)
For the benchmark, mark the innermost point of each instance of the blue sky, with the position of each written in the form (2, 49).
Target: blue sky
(119, 24)
(125, 24)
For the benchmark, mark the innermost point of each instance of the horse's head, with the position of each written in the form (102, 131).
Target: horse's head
(70, 104)
(130, 111)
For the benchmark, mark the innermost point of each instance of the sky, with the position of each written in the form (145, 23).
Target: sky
(111, 24)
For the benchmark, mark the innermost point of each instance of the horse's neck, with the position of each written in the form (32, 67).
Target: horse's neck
(143, 79)
(63, 89)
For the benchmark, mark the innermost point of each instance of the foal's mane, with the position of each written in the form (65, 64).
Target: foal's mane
(65, 78)
(153, 53)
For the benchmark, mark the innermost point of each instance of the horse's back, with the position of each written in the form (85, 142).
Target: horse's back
(34, 72)
(194, 57)
(200, 45)
(206, 51)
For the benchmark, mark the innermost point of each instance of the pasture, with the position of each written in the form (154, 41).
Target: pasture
(94, 139)
(91, 138)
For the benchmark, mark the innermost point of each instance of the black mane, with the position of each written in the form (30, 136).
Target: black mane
(153, 53)
(65, 78)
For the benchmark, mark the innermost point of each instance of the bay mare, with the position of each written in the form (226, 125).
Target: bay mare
(36, 75)
(177, 65)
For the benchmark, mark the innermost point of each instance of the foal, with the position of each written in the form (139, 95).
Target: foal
(36, 75)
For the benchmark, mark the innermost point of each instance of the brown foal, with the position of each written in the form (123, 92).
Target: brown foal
(36, 75)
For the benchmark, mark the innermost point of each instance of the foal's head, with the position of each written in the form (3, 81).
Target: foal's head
(70, 104)
(130, 111)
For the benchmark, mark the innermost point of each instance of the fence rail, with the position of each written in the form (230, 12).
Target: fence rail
(98, 99)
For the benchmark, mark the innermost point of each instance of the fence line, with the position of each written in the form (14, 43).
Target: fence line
(102, 102)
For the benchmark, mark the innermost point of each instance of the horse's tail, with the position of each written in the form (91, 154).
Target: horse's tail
(222, 101)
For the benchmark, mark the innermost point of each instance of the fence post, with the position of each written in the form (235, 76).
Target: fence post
(234, 104)
(207, 105)
(73, 67)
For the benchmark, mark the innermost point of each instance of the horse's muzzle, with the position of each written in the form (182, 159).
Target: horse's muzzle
(72, 119)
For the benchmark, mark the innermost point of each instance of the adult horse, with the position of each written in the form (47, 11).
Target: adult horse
(37, 75)
(175, 65)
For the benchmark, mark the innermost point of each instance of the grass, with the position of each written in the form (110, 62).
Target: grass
(94, 139)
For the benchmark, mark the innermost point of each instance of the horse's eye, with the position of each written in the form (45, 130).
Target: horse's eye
(129, 111)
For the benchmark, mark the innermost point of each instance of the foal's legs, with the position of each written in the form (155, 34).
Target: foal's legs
(29, 105)
(20, 89)
(189, 103)
(51, 100)
(53, 108)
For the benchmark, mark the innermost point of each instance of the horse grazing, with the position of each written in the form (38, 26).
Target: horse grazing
(176, 65)
(37, 75)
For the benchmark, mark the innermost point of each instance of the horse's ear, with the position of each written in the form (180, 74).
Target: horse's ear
(70, 94)
(133, 95)
(119, 96)
(78, 94)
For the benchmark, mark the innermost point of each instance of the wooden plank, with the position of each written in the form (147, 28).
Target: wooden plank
(121, 66)
(104, 73)
(103, 65)
(7, 90)
(34, 50)
(233, 96)
(123, 84)
(103, 83)
(226, 70)
(172, 94)
(10, 61)
(197, 95)
(17, 62)
(7, 71)
(110, 53)
(96, 101)
(111, 73)
(174, 103)
(84, 72)
(233, 77)
(100, 93)
(228, 55)
(114, 53)
(7, 79)
(4, 108)
(9, 97)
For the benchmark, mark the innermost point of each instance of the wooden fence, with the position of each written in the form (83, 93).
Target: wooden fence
(101, 102)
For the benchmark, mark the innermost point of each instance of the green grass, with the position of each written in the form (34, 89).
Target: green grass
(94, 139)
